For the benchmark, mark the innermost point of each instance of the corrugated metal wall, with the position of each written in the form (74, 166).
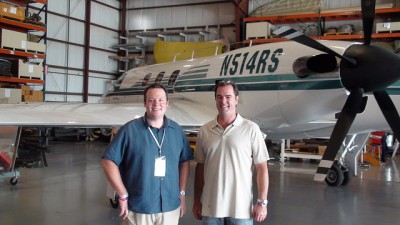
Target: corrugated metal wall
(65, 49)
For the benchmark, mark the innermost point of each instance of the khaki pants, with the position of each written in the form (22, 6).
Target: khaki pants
(168, 218)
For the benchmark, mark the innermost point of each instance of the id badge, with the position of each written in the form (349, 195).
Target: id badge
(160, 166)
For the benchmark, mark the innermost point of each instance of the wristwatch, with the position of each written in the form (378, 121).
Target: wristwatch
(182, 193)
(262, 202)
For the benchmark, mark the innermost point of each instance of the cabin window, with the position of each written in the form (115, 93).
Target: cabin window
(159, 77)
(146, 79)
(173, 77)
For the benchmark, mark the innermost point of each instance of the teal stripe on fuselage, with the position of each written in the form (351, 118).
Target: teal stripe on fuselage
(267, 82)
(194, 72)
(197, 67)
(191, 77)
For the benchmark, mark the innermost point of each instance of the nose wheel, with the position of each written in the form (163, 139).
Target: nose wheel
(338, 175)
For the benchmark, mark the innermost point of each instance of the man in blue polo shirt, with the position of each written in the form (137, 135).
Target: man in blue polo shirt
(147, 163)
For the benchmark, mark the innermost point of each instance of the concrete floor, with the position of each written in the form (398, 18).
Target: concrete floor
(72, 191)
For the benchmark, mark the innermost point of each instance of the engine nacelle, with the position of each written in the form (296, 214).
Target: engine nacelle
(309, 65)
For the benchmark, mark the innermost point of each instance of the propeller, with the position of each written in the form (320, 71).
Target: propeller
(363, 69)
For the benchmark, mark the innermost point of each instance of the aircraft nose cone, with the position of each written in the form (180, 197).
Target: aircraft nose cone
(376, 68)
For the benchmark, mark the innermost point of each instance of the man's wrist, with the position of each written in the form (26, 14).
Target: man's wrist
(123, 197)
(262, 202)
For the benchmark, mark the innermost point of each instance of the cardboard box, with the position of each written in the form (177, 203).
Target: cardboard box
(10, 95)
(25, 90)
(321, 149)
(30, 70)
(13, 39)
(11, 11)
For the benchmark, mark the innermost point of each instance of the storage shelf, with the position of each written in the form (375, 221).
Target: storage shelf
(20, 80)
(329, 37)
(313, 17)
(21, 54)
(26, 26)
(326, 16)
(20, 25)
(19, 2)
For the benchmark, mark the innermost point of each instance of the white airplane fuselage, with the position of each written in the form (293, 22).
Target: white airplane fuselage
(270, 93)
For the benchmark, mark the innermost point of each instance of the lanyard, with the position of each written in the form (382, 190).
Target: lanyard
(155, 139)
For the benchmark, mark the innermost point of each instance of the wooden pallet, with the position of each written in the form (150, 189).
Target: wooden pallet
(30, 77)
(388, 31)
(34, 52)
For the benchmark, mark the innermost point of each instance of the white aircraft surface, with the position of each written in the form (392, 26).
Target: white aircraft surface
(290, 89)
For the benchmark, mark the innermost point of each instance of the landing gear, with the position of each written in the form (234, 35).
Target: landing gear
(338, 175)
(14, 180)
(347, 176)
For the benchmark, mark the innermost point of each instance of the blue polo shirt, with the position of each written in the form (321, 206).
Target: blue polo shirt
(134, 150)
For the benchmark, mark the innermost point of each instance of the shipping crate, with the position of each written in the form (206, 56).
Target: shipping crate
(12, 12)
(13, 40)
(10, 95)
(30, 70)
(388, 27)
(258, 30)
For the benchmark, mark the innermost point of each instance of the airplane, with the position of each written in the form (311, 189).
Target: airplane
(296, 89)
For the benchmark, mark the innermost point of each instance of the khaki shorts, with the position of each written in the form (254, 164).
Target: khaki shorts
(168, 218)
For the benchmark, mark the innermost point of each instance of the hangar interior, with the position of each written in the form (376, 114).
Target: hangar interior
(75, 51)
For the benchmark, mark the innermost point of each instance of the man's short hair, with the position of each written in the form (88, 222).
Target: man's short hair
(222, 83)
(153, 86)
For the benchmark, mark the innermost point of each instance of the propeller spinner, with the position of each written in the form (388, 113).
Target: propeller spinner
(363, 69)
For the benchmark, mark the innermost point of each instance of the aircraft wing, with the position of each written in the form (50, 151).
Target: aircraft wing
(46, 114)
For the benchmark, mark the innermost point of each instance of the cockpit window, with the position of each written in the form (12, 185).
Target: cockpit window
(173, 77)
(146, 79)
(116, 84)
(159, 77)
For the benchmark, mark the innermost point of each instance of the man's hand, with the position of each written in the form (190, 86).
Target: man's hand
(123, 205)
(260, 213)
(183, 205)
(197, 210)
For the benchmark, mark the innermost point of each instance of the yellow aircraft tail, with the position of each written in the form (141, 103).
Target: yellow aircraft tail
(169, 51)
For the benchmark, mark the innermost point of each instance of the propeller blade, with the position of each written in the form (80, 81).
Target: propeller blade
(368, 14)
(389, 111)
(348, 114)
(299, 37)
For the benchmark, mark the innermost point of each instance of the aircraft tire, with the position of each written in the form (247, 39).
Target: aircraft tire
(13, 181)
(335, 175)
